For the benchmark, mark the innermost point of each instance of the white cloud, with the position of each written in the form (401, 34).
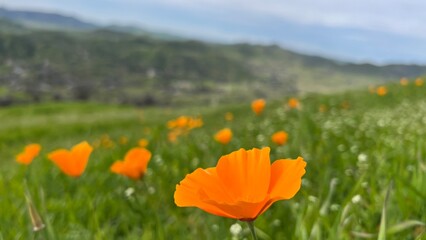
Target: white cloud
(406, 17)
(393, 16)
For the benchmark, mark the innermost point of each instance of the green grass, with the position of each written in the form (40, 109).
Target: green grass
(353, 155)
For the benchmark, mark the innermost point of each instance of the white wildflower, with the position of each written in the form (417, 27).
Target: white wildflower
(235, 229)
(356, 199)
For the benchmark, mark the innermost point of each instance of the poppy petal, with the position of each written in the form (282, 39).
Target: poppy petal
(117, 167)
(191, 191)
(23, 158)
(206, 182)
(134, 164)
(186, 197)
(242, 210)
(286, 178)
(62, 159)
(246, 174)
(137, 158)
(29, 153)
(120, 167)
(33, 149)
(80, 155)
(131, 173)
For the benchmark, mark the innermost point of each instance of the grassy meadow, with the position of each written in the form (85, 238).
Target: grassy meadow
(359, 146)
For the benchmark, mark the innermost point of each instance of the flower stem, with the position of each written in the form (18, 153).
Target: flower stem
(252, 230)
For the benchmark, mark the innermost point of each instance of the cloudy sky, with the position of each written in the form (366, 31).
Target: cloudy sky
(378, 31)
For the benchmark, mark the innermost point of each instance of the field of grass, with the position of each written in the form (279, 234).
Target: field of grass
(358, 147)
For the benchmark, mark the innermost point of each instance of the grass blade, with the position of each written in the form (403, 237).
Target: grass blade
(363, 235)
(404, 225)
(382, 230)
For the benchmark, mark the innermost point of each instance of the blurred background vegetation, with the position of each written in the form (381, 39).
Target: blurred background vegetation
(54, 57)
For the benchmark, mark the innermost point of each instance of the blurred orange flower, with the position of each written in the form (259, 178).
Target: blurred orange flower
(73, 163)
(229, 116)
(242, 186)
(134, 164)
(143, 142)
(403, 81)
(29, 153)
(224, 136)
(181, 121)
(293, 103)
(182, 126)
(173, 135)
(280, 138)
(381, 91)
(195, 123)
(419, 82)
(258, 105)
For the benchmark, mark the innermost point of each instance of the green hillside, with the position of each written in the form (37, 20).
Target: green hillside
(7, 26)
(43, 20)
(111, 66)
(356, 144)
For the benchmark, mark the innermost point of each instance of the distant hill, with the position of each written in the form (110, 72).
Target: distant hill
(46, 20)
(8, 26)
(116, 65)
(142, 32)
(59, 22)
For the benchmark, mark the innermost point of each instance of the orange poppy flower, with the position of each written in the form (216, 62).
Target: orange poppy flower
(182, 121)
(134, 164)
(195, 123)
(258, 105)
(179, 122)
(224, 136)
(73, 163)
(419, 82)
(293, 103)
(29, 153)
(403, 81)
(182, 126)
(280, 138)
(242, 186)
(143, 142)
(381, 91)
(173, 136)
